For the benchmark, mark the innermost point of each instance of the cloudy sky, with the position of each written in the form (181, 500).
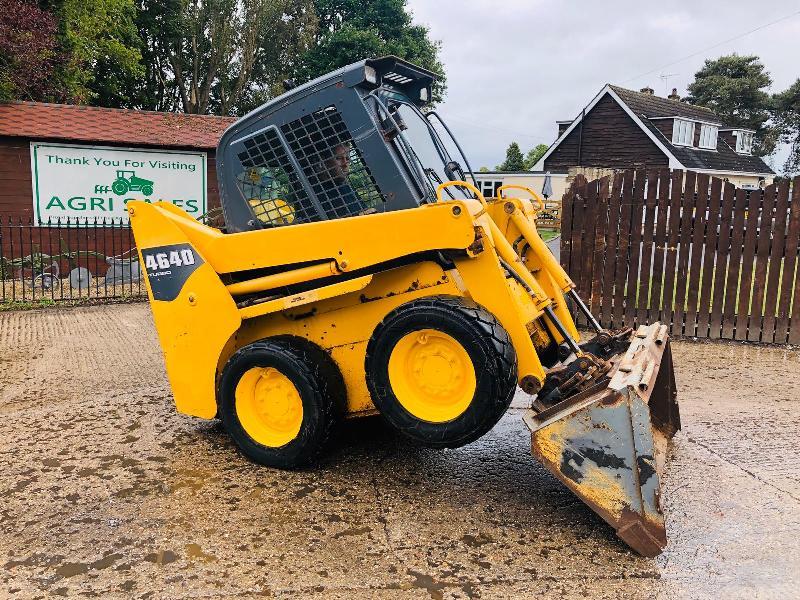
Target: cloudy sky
(514, 67)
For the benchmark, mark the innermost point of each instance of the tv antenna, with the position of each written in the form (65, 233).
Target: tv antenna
(665, 78)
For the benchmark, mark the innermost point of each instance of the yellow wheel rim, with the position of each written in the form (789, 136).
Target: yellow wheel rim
(269, 406)
(432, 375)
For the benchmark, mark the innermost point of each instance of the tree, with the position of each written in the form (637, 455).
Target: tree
(29, 53)
(514, 159)
(100, 39)
(734, 87)
(786, 112)
(351, 30)
(533, 155)
(222, 57)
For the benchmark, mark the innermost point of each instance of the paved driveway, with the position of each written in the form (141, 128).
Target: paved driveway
(106, 491)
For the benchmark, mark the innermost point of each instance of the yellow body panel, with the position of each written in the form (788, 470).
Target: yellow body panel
(203, 326)
(354, 243)
(194, 327)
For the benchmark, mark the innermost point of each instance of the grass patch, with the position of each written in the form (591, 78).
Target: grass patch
(549, 234)
(11, 305)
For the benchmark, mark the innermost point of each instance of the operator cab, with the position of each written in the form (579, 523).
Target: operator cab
(350, 143)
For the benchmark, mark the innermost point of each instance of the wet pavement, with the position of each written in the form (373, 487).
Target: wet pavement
(106, 492)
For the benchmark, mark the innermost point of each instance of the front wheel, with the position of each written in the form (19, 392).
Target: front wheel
(441, 370)
(278, 400)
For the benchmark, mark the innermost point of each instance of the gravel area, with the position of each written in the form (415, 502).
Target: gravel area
(105, 491)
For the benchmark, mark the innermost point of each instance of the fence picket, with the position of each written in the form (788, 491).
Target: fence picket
(792, 284)
(565, 250)
(635, 248)
(764, 234)
(646, 277)
(588, 241)
(783, 324)
(656, 312)
(578, 213)
(609, 268)
(601, 233)
(682, 275)
(621, 269)
(672, 249)
(734, 266)
(748, 259)
(721, 267)
(709, 254)
(776, 263)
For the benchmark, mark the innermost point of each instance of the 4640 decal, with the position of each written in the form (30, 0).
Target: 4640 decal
(168, 268)
(165, 260)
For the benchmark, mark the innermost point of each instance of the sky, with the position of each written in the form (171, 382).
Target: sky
(515, 67)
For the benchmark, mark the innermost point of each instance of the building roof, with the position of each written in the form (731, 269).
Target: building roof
(652, 106)
(642, 107)
(41, 121)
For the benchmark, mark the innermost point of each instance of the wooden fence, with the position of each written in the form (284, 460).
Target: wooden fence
(694, 252)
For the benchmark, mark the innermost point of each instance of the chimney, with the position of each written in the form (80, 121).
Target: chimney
(647, 90)
(674, 95)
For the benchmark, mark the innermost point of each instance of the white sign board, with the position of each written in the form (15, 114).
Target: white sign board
(96, 182)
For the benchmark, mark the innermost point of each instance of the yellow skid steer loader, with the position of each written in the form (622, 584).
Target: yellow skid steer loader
(358, 271)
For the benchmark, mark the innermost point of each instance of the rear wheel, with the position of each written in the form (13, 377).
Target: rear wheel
(441, 370)
(278, 400)
(147, 190)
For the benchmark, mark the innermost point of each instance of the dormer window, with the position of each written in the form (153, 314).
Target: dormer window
(708, 137)
(744, 141)
(682, 132)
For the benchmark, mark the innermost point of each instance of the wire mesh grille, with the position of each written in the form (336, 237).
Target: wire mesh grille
(324, 149)
(270, 183)
(338, 176)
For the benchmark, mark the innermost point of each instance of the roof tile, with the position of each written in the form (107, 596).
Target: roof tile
(36, 120)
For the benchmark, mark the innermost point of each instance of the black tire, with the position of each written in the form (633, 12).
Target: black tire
(315, 377)
(484, 340)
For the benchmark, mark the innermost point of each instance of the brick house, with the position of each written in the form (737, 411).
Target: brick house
(622, 129)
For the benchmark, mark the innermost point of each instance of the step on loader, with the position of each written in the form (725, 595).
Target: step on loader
(360, 270)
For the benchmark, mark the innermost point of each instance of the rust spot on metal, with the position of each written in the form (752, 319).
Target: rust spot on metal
(646, 537)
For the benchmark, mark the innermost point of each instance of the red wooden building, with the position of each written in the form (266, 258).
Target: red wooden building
(35, 258)
(24, 122)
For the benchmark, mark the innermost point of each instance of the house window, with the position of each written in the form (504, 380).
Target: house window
(744, 142)
(682, 132)
(489, 187)
(708, 137)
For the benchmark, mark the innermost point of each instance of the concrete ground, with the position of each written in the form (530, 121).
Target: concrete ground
(105, 491)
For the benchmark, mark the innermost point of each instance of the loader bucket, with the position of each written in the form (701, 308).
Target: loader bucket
(608, 444)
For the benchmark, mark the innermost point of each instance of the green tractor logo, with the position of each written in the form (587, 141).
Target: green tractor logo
(127, 181)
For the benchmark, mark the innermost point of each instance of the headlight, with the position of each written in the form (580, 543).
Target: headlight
(371, 75)
(423, 94)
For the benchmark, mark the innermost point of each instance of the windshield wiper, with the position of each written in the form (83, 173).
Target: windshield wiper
(433, 113)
